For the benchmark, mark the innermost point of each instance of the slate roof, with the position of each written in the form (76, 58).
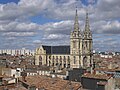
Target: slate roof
(57, 49)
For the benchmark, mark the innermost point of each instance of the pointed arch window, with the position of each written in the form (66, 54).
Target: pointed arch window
(74, 58)
(56, 60)
(53, 60)
(85, 61)
(86, 44)
(74, 44)
(68, 59)
(40, 60)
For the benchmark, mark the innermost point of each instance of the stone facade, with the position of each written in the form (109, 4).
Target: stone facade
(78, 54)
(43, 57)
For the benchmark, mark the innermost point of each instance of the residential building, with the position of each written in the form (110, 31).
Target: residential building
(97, 82)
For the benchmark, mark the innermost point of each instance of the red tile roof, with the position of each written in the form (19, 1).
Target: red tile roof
(51, 83)
(96, 76)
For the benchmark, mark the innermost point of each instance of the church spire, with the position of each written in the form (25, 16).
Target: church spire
(76, 23)
(87, 31)
(87, 26)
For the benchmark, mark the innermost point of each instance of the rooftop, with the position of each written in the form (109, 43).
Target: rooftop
(13, 87)
(51, 83)
(105, 69)
(57, 49)
(96, 76)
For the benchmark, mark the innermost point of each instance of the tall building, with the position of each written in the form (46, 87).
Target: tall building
(76, 42)
(78, 54)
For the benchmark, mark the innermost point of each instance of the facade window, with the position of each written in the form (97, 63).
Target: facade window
(40, 60)
(53, 60)
(56, 60)
(68, 60)
(74, 44)
(74, 59)
(86, 44)
(85, 61)
(64, 59)
(60, 60)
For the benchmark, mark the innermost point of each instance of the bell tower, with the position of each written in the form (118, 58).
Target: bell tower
(75, 44)
(87, 44)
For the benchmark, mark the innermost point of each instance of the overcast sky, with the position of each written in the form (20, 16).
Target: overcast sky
(29, 23)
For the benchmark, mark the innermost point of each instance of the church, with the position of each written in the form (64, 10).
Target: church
(78, 54)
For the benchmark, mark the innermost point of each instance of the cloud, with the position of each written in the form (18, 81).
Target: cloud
(112, 27)
(19, 27)
(19, 34)
(62, 27)
(22, 10)
(109, 42)
(91, 1)
(106, 27)
(15, 22)
(56, 37)
(37, 42)
(65, 10)
(106, 10)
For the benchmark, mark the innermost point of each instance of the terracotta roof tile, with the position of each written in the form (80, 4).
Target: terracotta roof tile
(97, 76)
(51, 83)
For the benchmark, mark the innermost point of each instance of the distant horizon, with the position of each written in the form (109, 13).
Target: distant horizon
(58, 45)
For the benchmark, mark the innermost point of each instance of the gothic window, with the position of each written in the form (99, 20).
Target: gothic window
(85, 61)
(56, 60)
(68, 60)
(53, 60)
(74, 44)
(86, 43)
(40, 60)
(74, 58)
(74, 34)
(64, 61)
(60, 60)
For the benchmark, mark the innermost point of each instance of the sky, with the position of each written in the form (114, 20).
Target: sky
(31, 23)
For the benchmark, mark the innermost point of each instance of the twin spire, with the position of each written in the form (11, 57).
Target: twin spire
(76, 24)
(87, 26)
